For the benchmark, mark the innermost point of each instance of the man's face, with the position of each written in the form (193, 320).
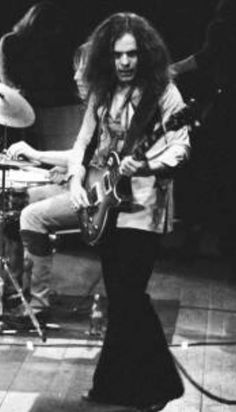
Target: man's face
(126, 58)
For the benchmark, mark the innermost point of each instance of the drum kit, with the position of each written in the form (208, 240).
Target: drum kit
(16, 177)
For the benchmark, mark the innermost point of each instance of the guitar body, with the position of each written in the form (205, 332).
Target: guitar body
(101, 187)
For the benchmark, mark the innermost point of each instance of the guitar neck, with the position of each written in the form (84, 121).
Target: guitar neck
(146, 144)
(175, 122)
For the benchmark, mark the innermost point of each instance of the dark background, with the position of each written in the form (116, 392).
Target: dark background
(182, 23)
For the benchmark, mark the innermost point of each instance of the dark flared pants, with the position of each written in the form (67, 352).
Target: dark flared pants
(136, 367)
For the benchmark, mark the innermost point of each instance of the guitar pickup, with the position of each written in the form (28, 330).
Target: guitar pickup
(94, 197)
(107, 182)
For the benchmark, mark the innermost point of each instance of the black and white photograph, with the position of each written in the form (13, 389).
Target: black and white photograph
(117, 206)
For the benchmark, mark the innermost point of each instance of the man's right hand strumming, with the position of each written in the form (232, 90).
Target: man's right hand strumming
(78, 195)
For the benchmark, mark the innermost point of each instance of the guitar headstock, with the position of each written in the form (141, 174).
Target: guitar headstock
(184, 117)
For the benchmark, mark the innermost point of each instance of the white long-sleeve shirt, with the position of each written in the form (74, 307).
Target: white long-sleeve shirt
(153, 194)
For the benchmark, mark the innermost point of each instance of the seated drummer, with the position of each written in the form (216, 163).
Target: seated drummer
(58, 184)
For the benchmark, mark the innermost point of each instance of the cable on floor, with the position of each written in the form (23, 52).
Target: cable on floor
(201, 388)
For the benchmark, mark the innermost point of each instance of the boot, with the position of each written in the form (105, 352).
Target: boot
(39, 285)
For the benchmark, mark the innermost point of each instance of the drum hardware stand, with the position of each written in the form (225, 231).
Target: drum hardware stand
(3, 259)
(41, 332)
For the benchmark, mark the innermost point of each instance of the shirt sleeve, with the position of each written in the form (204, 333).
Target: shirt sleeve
(83, 139)
(173, 147)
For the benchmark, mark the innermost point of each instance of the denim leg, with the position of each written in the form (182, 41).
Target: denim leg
(49, 214)
(37, 220)
(36, 193)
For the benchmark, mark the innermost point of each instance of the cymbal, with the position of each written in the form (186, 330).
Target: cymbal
(6, 163)
(15, 111)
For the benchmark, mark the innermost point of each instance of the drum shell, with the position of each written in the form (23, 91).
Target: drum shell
(16, 199)
(14, 196)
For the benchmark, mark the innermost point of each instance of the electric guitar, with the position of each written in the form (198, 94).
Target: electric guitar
(101, 184)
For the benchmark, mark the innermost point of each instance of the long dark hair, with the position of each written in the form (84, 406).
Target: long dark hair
(153, 63)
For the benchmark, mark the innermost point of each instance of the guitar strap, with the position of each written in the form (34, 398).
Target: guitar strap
(89, 152)
(146, 115)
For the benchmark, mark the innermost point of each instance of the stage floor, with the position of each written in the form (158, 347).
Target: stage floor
(196, 301)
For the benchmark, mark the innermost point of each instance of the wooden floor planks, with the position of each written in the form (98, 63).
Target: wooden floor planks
(53, 376)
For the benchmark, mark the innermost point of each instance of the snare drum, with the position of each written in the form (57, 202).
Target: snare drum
(17, 183)
(32, 176)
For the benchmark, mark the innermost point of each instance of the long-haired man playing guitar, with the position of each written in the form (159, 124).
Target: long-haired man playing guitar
(130, 95)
